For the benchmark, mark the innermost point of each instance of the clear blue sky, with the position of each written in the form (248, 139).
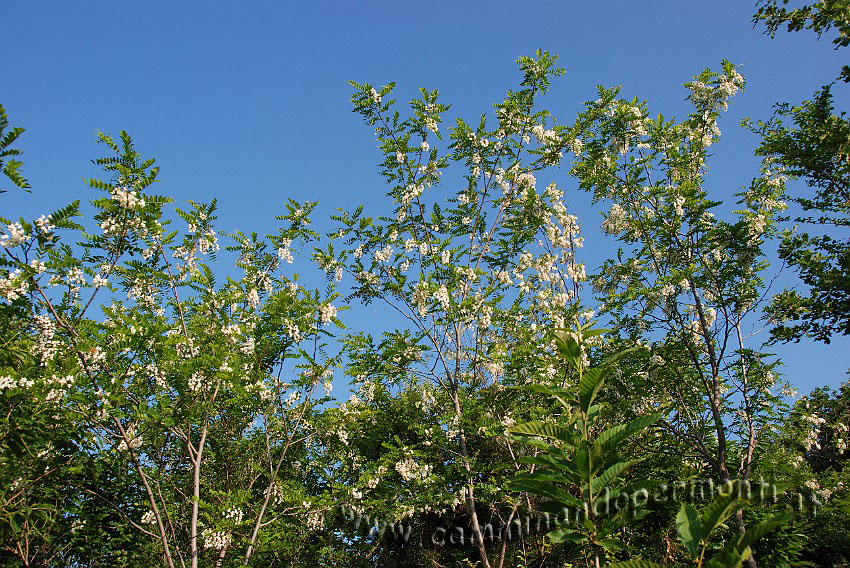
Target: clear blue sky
(247, 101)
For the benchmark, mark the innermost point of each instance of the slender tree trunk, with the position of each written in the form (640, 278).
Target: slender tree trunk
(196, 494)
(477, 536)
(716, 402)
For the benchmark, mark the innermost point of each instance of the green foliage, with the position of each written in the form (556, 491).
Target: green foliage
(582, 465)
(158, 409)
(162, 429)
(821, 18)
(695, 528)
(816, 148)
(10, 167)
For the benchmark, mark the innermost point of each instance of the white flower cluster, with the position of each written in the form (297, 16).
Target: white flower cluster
(157, 374)
(442, 296)
(186, 253)
(814, 432)
(409, 470)
(208, 242)
(74, 278)
(525, 181)
(367, 278)
(248, 346)
(384, 255)
(411, 192)
(293, 330)
(43, 224)
(9, 382)
(419, 298)
(715, 96)
(283, 251)
(616, 221)
(196, 381)
(216, 540)
(15, 236)
(327, 313)
(127, 198)
(756, 223)
(144, 293)
(485, 316)
(95, 358)
(431, 125)
(372, 482)
(775, 179)
(13, 286)
(577, 146)
(47, 345)
(548, 137)
(315, 520)
(135, 441)
(235, 514)
(187, 349)
(60, 387)
(292, 398)
(38, 266)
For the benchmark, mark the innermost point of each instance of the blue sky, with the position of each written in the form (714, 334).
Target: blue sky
(247, 101)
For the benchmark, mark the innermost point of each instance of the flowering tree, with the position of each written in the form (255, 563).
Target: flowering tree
(476, 276)
(686, 280)
(157, 409)
(814, 441)
(202, 394)
(812, 142)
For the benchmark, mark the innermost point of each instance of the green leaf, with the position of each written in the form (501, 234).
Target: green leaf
(550, 476)
(568, 347)
(729, 557)
(606, 477)
(546, 489)
(723, 507)
(591, 382)
(585, 333)
(544, 430)
(565, 535)
(689, 528)
(759, 530)
(616, 434)
(581, 460)
(611, 545)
